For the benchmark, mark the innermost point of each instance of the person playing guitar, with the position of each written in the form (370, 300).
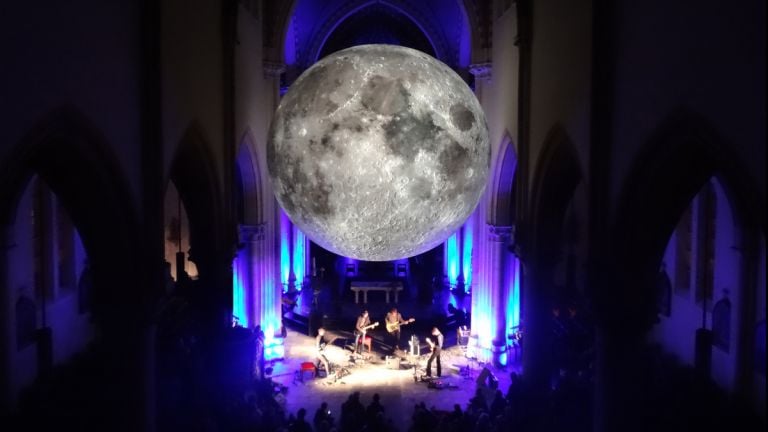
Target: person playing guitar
(437, 347)
(320, 344)
(362, 325)
(394, 321)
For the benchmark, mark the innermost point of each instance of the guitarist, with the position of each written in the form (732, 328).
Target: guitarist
(361, 326)
(394, 320)
(320, 344)
(437, 347)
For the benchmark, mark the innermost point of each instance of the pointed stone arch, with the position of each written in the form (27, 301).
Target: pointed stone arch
(72, 156)
(679, 158)
(558, 174)
(502, 183)
(194, 174)
(433, 35)
(250, 181)
(276, 30)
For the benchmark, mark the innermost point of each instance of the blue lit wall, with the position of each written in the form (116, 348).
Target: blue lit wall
(239, 307)
(299, 256)
(513, 297)
(452, 258)
(466, 254)
(285, 249)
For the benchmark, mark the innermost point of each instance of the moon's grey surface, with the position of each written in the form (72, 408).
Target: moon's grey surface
(378, 152)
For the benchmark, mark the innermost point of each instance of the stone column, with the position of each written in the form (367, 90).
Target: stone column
(274, 70)
(536, 289)
(498, 239)
(6, 326)
(619, 382)
(488, 294)
(483, 74)
(251, 270)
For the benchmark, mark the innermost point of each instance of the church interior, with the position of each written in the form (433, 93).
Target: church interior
(612, 276)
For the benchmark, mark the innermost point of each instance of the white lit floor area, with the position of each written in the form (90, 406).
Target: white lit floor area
(397, 388)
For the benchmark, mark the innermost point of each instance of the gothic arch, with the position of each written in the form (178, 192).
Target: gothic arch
(282, 12)
(679, 158)
(556, 178)
(557, 175)
(250, 180)
(433, 35)
(74, 159)
(502, 193)
(194, 174)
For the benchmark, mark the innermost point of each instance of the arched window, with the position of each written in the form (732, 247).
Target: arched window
(721, 325)
(26, 322)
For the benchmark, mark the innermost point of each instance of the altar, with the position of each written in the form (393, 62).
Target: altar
(387, 286)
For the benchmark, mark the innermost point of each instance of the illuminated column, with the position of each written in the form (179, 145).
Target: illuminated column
(6, 244)
(489, 294)
(285, 252)
(497, 259)
(299, 257)
(248, 296)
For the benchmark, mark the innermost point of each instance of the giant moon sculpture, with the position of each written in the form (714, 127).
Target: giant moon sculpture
(378, 152)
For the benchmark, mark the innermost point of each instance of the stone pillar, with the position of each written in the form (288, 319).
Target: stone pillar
(620, 300)
(263, 291)
(537, 348)
(251, 270)
(482, 73)
(6, 326)
(498, 239)
(619, 381)
(488, 294)
(273, 70)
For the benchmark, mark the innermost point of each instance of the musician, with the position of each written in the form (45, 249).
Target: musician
(394, 321)
(437, 347)
(361, 326)
(320, 344)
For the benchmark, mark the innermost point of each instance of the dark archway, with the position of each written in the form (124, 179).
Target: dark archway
(376, 23)
(74, 159)
(503, 201)
(558, 174)
(472, 48)
(679, 159)
(70, 154)
(194, 174)
(250, 209)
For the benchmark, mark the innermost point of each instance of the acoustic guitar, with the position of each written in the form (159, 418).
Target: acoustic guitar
(391, 327)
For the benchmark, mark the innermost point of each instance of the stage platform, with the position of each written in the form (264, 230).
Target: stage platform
(397, 388)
